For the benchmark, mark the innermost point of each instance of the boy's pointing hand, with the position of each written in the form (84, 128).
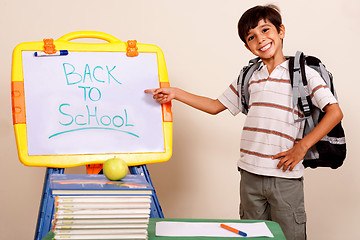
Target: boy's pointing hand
(162, 95)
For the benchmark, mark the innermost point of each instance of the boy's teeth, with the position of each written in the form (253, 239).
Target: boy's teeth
(266, 47)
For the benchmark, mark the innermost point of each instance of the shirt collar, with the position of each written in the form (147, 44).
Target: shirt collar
(284, 65)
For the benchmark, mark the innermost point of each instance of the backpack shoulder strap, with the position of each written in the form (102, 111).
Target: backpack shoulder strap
(243, 83)
(299, 82)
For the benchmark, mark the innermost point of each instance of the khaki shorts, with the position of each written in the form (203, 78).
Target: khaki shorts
(276, 199)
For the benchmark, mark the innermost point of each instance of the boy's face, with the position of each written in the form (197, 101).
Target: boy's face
(265, 41)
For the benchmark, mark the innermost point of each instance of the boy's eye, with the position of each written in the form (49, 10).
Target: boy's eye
(250, 38)
(265, 29)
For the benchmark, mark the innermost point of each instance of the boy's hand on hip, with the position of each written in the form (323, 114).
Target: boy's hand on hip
(289, 159)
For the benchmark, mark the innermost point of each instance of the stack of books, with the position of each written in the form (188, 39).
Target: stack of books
(93, 207)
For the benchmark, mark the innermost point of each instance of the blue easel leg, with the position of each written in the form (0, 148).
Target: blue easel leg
(156, 211)
(47, 206)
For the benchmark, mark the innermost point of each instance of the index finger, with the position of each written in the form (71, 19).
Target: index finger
(149, 90)
(279, 155)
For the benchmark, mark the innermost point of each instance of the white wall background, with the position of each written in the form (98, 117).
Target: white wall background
(203, 55)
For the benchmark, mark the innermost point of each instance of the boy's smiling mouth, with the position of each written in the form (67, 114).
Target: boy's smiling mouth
(266, 47)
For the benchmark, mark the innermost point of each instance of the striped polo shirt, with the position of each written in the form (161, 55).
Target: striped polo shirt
(270, 125)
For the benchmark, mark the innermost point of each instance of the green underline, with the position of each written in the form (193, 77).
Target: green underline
(93, 128)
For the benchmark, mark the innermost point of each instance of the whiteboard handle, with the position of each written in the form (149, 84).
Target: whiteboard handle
(89, 34)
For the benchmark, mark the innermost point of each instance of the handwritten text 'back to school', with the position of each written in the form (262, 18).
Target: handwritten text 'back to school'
(88, 117)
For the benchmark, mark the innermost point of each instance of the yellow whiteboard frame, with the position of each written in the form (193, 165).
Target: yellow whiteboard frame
(63, 161)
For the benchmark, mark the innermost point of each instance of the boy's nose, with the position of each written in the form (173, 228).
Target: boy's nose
(261, 39)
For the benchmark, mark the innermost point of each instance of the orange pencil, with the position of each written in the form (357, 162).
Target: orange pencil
(233, 230)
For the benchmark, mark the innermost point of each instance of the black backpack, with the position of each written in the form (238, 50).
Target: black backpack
(329, 151)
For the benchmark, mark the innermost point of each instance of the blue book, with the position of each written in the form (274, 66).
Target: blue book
(98, 184)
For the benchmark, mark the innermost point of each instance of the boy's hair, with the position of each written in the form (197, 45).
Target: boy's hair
(252, 16)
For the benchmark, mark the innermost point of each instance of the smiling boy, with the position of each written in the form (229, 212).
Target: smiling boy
(272, 146)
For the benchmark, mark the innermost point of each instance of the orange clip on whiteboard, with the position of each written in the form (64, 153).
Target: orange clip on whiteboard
(86, 103)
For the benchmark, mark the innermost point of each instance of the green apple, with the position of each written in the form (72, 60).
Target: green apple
(115, 169)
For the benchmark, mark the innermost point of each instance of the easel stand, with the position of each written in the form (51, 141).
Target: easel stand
(156, 211)
(46, 211)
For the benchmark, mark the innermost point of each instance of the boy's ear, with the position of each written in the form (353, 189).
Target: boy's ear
(282, 31)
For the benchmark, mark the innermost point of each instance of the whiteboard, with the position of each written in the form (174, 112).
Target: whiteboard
(92, 103)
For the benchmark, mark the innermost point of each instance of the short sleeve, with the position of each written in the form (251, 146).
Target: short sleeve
(231, 98)
(319, 92)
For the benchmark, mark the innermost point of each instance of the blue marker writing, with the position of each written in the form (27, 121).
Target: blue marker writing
(58, 53)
